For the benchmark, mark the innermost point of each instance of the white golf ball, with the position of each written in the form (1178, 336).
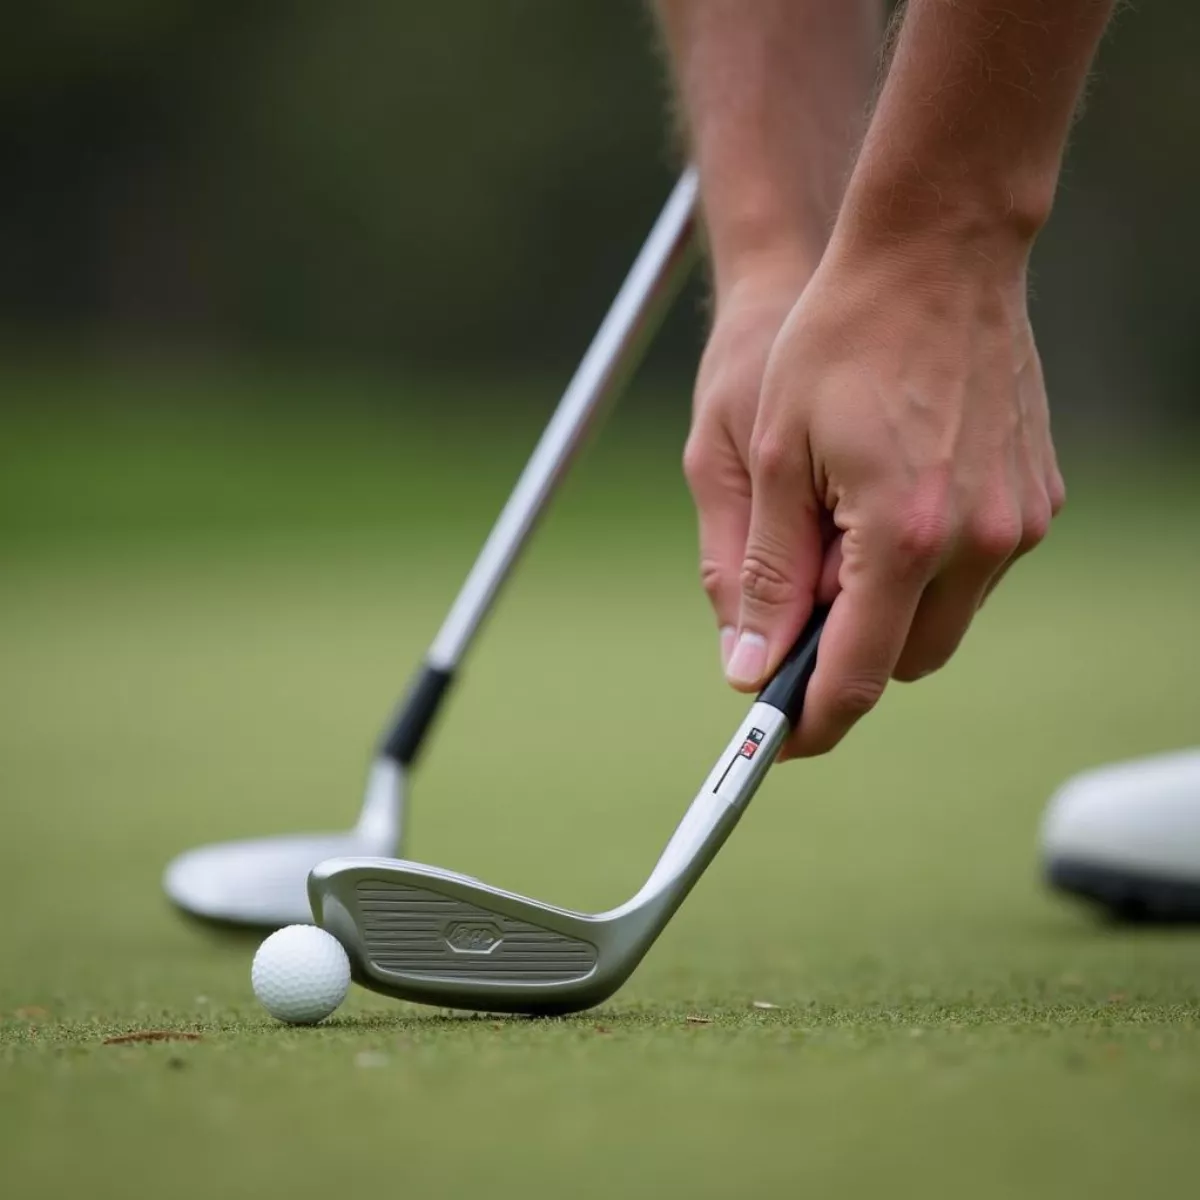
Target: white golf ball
(300, 974)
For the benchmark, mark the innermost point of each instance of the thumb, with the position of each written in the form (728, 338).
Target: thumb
(781, 567)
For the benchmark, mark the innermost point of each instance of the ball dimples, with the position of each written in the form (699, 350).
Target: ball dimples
(300, 974)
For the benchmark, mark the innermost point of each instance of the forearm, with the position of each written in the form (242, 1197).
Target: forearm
(967, 139)
(775, 96)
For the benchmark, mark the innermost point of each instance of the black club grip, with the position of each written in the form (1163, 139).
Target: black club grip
(788, 685)
(403, 739)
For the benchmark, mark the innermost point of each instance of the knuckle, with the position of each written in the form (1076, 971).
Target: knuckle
(697, 463)
(995, 534)
(765, 583)
(923, 536)
(1036, 525)
(856, 696)
(771, 457)
(1057, 491)
(712, 578)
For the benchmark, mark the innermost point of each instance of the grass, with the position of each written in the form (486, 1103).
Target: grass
(205, 613)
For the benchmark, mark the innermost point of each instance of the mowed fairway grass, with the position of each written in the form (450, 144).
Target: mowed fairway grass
(210, 596)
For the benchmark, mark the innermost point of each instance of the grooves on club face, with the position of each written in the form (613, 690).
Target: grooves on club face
(436, 937)
(421, 933)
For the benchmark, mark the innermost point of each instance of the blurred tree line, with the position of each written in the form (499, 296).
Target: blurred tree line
(465, 182)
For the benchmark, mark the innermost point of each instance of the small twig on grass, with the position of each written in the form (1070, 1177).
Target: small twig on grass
(152, 1035)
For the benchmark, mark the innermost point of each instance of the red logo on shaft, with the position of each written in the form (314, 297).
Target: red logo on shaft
(751, 744)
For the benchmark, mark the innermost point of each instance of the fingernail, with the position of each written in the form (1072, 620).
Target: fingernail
(728, 637)
(748, 660)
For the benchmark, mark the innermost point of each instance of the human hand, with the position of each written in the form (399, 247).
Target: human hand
(716, 460)
(903, 400)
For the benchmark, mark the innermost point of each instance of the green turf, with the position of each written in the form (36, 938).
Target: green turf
(204, 616)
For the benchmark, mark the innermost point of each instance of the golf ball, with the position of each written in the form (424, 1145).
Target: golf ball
(300, 974)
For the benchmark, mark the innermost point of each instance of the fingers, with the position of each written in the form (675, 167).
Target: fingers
(951, 600)
(994, 539)
(781, 566)
(864, 637)
(944, 613)
(828, 587)
(720, 487)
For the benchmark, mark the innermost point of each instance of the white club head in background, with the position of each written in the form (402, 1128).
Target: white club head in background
(262, 882)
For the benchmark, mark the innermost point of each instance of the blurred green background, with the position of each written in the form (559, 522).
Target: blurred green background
(461, 184)
(285, 297)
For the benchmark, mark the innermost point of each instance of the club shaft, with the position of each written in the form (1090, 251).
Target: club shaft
(715, 811)
(644, 298)
(735, 778)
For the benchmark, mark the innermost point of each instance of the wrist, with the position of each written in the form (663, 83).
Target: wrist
(927, 277)
(759, 226)
(959, 216)
(772, 268)
(756, 254)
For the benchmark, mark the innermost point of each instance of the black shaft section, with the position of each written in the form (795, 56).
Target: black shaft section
(789, 684)
(407, 732)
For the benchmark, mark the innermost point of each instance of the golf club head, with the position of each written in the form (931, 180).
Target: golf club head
(421, 933)
(260, 883)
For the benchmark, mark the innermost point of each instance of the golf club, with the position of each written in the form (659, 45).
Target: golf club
(261, 882)
(421, 933)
